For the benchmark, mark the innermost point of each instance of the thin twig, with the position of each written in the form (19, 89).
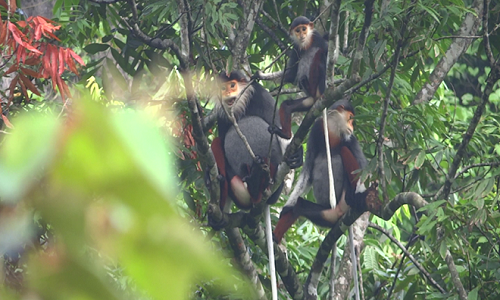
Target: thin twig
(408, 254)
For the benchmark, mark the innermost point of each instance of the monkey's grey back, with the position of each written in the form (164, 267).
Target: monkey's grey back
(255, 130)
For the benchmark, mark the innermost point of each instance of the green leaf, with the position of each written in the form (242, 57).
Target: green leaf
(95, 48)
(473, 295)
(419, 161)
(25, 153)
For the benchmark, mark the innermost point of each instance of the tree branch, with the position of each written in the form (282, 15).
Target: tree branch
(469, 27)
(244, 261)
(386, 212)
(358, 55)
(493, 77)
(424, 272)
(271, 33)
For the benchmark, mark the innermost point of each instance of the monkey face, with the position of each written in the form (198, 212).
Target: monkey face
(302, 35)
(340, 122)
(235, 96)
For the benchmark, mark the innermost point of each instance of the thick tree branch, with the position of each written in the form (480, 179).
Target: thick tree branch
(250, 13)
(286, 271)
(244, 261)
(360, 48)
(344, 277)
(469, 27)
(333, 39)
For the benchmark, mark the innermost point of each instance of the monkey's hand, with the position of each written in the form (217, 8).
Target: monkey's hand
(296, 159)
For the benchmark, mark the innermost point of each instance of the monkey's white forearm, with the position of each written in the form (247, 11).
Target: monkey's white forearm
(301, 187)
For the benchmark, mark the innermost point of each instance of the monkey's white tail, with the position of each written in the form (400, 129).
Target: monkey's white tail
(270, 251)
(332, 197)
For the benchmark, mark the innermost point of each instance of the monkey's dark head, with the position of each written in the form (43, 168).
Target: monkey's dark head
(235, 94)
(340, 119)
(301, 32)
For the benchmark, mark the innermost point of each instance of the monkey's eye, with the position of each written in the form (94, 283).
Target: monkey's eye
(223, 88)
(304, 28)
(297, 30)
(232, 85)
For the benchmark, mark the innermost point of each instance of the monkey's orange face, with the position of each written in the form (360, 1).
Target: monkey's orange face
(302, 34)
(230, 91)
(349, 116)
(341, 122)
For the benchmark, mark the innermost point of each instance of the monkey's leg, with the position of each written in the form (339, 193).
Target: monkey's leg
(358, 200)
(314, 212)
(286, 110)
(287, 218)
(240, 193)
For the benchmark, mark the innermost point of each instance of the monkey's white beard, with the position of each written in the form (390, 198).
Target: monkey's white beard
(337, 123)
(303, 44)
(240, 103)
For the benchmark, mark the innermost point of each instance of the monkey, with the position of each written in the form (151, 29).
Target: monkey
(306, 68)
(244, 178)
(347, 156)
(253, 108)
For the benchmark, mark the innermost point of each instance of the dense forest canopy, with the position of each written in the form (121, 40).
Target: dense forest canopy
(109, 187)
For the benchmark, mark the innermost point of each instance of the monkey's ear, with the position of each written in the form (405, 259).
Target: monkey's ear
(311, 24)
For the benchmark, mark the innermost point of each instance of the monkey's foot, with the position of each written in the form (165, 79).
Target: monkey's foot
(296, 159)
(274, 129)
(217, 225)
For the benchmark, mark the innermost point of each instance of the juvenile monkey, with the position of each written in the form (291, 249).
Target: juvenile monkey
(306, 68)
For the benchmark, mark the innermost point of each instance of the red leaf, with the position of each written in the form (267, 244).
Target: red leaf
(76, 57)
(7, 122)
(63, 88)
(13, 6)
(19, 37)
(12, 69)
(33, 60)
(29, 84)
(3, 31)
(53, 60)
(71, 65)
(61, 61)
(23, 88)
(4, 4)
(12, 86)
(38, 32)
(31, 73)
